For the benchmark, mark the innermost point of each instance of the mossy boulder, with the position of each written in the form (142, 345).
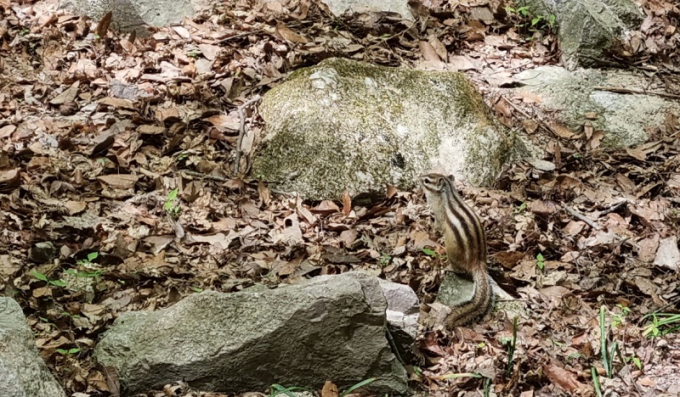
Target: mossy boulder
(586, 28)
(349, 125)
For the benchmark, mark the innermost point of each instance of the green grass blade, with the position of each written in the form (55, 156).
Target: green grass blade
(596, 382)
(603, 344)
(357, 386)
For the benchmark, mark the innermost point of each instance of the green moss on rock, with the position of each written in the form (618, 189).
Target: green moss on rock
(350, 125)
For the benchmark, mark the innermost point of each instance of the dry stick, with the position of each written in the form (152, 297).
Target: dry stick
(619, 90)
(582, 217)
(614, 207)
(205, 176)
(236, 36)
(523, 113)
(242, 129)
(511, 69)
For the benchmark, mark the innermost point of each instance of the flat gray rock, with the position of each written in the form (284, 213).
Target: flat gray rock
(349, 125)
(129, 15)
(23, 373)
(339, 7)
(327, 328)
(572, 95)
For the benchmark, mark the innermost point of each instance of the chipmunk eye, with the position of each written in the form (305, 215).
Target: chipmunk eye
(428, 180)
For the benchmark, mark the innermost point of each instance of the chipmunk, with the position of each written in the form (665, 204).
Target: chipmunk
(465, 244)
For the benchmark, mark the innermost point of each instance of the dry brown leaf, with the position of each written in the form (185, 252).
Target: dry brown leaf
(348, 237)
(330, 390)
(288, 35)
(346, 203)
(326, 207)
(428, 52)
(561, 130)
(117, 103)
(438, 46)
(461, 63)
(103, 25)
(265, 194)
(119, 181)
(391, 191)
(573, 228)
(7, 130)
(648, 247)
(625, 184)
(544, 208)
(75, 207)
(509, 259)
(530, 125)
(567, 380)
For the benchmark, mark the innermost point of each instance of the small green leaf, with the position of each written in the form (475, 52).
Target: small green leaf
(39, 276)
(637, 362)
(92, 256)
(428, 252)
(58, 283)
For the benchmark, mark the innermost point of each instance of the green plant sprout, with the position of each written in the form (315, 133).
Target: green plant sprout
(385, 259)
(540, 261)
(171, 204)
(42, 277)
(88, 262)
(68, 352)
(662, 324)
(617, 319)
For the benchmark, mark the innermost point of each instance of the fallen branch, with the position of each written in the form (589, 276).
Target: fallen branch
(614, 207)
(620, 90)
(582, 217)
(242, 129)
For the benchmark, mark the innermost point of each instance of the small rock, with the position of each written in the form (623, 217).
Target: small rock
(43, 252)
(403, 312)
(668, 255)
(23, 372)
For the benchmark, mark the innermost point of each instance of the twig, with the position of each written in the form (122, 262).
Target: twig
(511, 69)
(582, 217)
(614, 207)
(620, 90)
(242, 129)
(621, 242)
(539, 120)
(205, 176)
(236, 36)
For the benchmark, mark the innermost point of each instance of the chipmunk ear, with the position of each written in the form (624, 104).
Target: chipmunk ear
(451, 178)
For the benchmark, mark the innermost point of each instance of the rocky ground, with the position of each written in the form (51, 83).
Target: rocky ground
(137, 194)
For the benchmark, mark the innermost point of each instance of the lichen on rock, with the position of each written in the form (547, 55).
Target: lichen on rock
(349, 125)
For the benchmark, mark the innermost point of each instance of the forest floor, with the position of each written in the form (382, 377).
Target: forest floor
(95, 176)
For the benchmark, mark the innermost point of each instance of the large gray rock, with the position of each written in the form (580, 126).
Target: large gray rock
(570, 96)
(129, 15)
(350, 125)
(22, 371)
(327, 328)
(587, 27)
(339, 7)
